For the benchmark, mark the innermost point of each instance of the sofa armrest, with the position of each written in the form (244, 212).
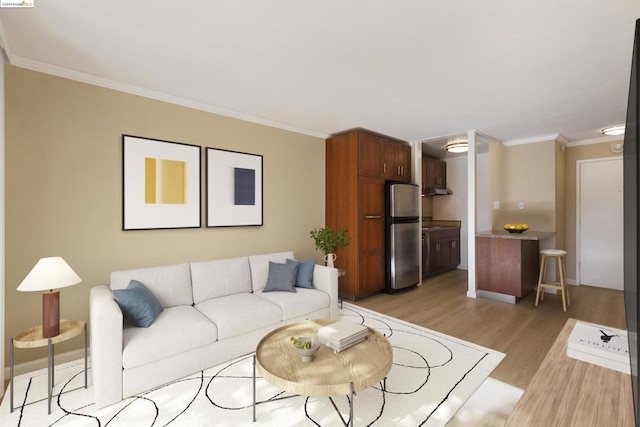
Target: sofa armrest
(325, 279)
(106, 346)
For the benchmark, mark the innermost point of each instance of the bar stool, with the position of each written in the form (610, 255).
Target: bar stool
(561, 285)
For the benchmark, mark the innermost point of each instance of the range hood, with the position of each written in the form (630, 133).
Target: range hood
(437, 192)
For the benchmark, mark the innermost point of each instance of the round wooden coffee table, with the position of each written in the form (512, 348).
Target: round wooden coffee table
(329, 374)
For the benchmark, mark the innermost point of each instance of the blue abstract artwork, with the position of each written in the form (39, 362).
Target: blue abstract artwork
(244, 186)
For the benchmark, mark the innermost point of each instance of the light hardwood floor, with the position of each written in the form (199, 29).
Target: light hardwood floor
(522, 331)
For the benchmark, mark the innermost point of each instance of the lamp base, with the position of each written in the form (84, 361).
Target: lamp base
(50, 313)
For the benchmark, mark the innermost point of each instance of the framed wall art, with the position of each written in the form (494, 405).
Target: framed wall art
(234, 188)
(160, 184)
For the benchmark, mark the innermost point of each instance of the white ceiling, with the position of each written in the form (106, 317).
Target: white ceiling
(412, 69)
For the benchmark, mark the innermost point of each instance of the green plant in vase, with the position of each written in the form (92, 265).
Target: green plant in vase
(327, 241)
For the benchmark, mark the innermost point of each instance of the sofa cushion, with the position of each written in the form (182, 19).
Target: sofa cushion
(282, 277)
(171, 284)
(240, 313)
(305, 273)
(138, 304)
(217, 278)
(260, 267)
(176, 330)
(297, 304)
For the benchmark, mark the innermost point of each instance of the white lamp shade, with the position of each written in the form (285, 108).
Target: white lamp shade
(49, 273)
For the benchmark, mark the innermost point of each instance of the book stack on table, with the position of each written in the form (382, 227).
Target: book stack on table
(600, 345)
(342, 334)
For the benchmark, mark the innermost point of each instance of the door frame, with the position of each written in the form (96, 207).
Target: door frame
(579, 164)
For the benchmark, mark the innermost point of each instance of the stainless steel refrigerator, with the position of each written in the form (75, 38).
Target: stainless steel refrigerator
(402, 236)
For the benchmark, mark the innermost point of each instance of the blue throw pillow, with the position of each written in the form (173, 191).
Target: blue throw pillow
(139, 305)
(282, 277)
(305, 273)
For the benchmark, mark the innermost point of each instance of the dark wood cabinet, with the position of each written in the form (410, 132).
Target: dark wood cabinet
(444, 250)
(382, 157)
(370, 235)
(397, 161)
(357, 165)
(371, 155)
(507, 266)
(434, 173)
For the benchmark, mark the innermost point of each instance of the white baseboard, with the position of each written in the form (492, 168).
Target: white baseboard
(509, 299)
(35, 365)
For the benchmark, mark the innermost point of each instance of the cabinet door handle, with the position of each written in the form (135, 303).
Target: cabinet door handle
(372, 216)
(384, 167)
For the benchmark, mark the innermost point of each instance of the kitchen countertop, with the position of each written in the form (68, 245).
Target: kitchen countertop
(527, 235)
(434, 225)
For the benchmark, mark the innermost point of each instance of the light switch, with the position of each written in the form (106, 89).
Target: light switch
(520, 205)
(496, 204)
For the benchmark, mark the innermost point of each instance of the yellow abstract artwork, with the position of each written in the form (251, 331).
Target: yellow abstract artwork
(165, 181)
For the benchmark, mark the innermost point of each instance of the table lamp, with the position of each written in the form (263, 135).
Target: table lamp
(48, 275)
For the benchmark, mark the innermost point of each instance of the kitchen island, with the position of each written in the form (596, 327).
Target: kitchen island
(507, 264)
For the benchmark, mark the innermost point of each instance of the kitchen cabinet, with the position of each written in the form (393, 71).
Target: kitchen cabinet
(444, 250)
(357, 164)
(507, 265)
(370, 235)
(397, 161)
(383, 157)
(434, 173)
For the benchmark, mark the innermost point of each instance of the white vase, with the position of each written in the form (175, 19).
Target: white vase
(329, 258)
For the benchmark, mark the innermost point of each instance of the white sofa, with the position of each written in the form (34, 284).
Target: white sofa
(214, 311)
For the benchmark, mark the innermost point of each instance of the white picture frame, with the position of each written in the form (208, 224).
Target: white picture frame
(234, 188)
(145, 203)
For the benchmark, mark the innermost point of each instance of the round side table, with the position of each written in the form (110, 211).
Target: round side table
(32, 338)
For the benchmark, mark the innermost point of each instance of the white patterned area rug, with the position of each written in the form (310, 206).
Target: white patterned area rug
(431, 378)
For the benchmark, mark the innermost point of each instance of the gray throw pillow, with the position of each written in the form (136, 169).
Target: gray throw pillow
(139, 306)
(282, 277)
(305, 273)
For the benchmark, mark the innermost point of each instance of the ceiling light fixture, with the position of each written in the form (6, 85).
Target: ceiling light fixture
(458, 146)
(613, 130)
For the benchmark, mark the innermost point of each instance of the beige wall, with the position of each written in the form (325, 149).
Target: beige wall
(529, 176)
(573, 154)
(64, 185)
(497, 183)
(560, 194)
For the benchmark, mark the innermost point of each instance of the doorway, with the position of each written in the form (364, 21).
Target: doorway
(600, 223)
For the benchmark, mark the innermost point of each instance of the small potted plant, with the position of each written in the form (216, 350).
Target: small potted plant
(327, 240)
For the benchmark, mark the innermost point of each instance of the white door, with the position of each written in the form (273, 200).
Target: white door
(600, 225)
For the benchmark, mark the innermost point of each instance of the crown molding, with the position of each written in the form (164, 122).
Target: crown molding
(66, 73)
(486, 138)
(541, 138)
(42, 67)
(598, 140)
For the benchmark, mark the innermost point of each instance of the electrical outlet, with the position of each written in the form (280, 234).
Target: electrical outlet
(496, 204)
(520, 205)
